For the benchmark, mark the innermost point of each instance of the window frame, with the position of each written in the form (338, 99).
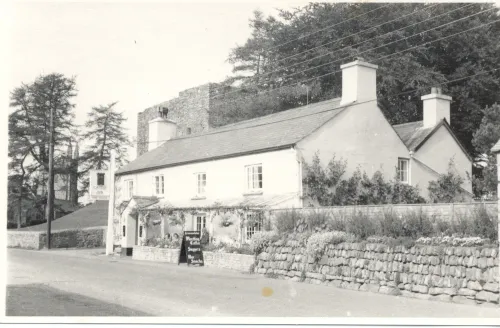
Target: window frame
(252, 230)
(103, 175)
(202, 223)
(129, 193)
(252, 171)
(159, 184)
(199, 192)
(402, 171)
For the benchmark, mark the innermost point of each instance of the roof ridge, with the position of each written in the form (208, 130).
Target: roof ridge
(234, 126)
(408, 123)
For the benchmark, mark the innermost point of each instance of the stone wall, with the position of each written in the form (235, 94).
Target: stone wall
(439, 211)
(238, 262)
(189, 110)
(71, 238)
(24, 239)
(147, 253)
(454, 274)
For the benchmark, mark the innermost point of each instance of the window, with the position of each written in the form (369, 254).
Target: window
(124, 231)
(201, 183)
(140, 231)
(159, 182)
(100, 179)
(403, 171)
(254, 176)
(201, 222)
(254, 224)
(129, 188)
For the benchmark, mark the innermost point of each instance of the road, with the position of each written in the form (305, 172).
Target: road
(161, 289)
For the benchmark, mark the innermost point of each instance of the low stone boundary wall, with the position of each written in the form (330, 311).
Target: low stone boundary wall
(455, 274)
(25, 239)
(238, 262)
(70, 238)
(147, 253)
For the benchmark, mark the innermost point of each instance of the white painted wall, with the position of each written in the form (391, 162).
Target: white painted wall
(362, 136)
(226, 178)
(436, 153)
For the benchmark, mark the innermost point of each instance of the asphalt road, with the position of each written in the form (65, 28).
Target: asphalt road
(130, 287)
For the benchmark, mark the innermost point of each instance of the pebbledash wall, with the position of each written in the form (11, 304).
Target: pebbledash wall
(70, 238)
(439, 211)
(191, 109)
(237, 262)
(455, 274)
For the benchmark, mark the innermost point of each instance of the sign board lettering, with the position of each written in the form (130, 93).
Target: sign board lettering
(191, 252)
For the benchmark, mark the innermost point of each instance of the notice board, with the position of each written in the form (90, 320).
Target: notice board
(191, 252)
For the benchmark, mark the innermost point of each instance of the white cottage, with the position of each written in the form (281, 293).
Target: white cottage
(220, 178)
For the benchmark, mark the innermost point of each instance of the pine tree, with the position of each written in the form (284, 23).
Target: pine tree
(105, 132)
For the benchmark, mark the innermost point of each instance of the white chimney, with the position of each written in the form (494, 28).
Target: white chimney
(160, 130)
(359, 82)
(436, 107)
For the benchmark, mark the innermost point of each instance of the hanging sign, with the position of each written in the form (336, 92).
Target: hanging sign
(191, 252)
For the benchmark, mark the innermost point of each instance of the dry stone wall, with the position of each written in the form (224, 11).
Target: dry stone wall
(70, 238)
(455, 274)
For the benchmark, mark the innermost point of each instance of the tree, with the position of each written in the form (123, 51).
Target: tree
(29, 128)
(283, 51)
(484, 139)
(105, 132)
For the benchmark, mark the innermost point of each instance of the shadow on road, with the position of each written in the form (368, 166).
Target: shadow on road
(42, 300)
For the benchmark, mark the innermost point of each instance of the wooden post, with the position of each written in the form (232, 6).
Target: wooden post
(50, 181)
(111, 206)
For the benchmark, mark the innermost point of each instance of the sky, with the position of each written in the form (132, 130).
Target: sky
(138, 54)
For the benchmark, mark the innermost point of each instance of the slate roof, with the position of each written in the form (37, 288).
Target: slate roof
(92, 215)
(413, 133)
(270, 132)
(496, 147)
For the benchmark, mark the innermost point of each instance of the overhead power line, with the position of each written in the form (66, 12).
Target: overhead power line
(362, 42)
(347, 105)
(371, 49)
(327, 27)
(351, 35)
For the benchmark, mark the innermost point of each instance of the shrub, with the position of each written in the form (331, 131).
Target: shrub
(416, 224)
(391, 241)
(286, 221)
(317, 242)
(484, 224)
(262, 239)
(391, 224)
(317, 219)
(447, 188)
(360, 225)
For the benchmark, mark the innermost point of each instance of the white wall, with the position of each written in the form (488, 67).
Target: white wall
(226, 178)
(362, 136)
(436, 153)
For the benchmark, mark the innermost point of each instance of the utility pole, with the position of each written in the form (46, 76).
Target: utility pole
(50, 181)
(111, 205)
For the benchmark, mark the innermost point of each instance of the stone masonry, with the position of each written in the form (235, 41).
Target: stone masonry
(190, 110)
(466, 275)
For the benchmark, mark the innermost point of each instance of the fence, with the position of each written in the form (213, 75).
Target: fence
(439, 211)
